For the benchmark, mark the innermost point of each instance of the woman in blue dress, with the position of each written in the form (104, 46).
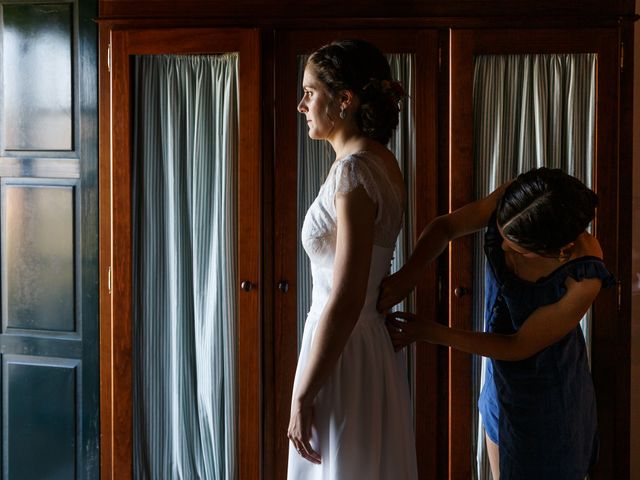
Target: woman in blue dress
(544, 270)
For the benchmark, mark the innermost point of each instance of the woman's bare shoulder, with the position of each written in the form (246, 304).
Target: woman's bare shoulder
(588, 245)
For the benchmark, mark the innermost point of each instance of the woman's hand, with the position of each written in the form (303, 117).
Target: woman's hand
(393, 290)
(405, 328)
(299, 432)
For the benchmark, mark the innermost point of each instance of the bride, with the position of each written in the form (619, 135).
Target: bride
(350, 411)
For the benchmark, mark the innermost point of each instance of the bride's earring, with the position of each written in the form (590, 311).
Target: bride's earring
(343, 114)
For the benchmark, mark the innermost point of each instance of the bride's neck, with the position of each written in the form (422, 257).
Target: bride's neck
(346, 142)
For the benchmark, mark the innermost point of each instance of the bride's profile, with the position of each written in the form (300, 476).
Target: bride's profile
(350, 409)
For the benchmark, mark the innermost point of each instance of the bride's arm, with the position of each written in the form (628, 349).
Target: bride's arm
(354, 244)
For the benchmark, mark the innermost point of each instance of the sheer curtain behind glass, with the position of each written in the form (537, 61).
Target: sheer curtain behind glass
(529, 111)
(184, 298)
(315, 159)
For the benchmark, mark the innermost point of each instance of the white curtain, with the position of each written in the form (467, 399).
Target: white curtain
(529, 111)
(184, 276)
(315, 159)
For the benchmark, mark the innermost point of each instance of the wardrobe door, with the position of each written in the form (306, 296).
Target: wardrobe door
(180, 238)
(523, 99)
(300, 166)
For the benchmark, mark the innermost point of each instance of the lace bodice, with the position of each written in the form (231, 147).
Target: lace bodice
(320, 223)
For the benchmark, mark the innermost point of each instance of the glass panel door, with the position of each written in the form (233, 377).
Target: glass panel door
(184, 256)
(529, 111)
(301, 166)
(185, 219)
(520, 99)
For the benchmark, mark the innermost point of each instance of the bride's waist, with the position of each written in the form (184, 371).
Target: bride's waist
(369, 313)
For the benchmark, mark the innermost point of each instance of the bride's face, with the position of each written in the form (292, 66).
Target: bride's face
(317, 106)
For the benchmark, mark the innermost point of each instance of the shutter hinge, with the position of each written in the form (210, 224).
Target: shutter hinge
(109, 279)
(621, 56)
(109, 58)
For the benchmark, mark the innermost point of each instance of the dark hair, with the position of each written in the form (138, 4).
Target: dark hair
(359, 66)
(545, 209)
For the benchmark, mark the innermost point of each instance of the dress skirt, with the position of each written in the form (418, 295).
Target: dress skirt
(363, 425)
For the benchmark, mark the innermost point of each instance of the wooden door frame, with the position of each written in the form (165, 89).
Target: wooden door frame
(610, 337)
(117, 46)
(289, 44)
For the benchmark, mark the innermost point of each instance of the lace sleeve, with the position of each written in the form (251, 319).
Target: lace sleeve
(352, 172)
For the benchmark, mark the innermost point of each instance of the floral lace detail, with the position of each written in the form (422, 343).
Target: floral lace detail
(320, 224)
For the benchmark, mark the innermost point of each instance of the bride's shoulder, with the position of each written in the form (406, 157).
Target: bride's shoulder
(383, 165)
(376, 155)
(356, 157)
(369, 160)
(351, 163)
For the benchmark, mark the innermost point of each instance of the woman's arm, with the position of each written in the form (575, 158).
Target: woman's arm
(432, 241)
(545, 326)
(354, 244)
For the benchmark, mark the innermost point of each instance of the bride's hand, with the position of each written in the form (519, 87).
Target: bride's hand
(299, 432)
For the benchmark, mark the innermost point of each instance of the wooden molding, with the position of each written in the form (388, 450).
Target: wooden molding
(363, 8)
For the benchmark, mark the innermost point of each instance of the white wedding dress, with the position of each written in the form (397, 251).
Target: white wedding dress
(362, 415)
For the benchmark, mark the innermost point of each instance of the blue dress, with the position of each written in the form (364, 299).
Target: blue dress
(541, 410)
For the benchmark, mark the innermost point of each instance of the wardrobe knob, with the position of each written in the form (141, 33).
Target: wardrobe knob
(460, 291)
(283, 286)
(246, 285)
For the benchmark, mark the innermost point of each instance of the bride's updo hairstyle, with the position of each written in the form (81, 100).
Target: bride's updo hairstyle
(359, 66)
(544, 209)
